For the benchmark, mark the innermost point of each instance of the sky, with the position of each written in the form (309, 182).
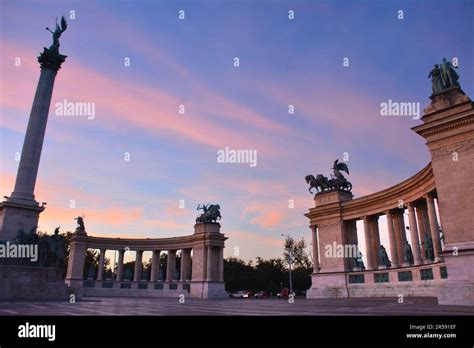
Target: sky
(130, 168)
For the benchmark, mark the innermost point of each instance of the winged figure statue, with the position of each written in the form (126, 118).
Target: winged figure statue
(57, 33)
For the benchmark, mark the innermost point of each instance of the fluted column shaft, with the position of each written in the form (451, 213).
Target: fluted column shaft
(392, 239)
(100, 272)
(314, 235)
(138, 266)
(34, 137)
(209, 263)
(368, 244)
(120, 265)
(415, 242)
(155, 265)
(170, 265)
(434, 227)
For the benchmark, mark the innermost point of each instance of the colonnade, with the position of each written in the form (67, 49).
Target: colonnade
(423, 221)
(185, 268)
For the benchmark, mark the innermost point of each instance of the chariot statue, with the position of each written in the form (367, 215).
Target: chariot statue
(211, 213)
(337, 181)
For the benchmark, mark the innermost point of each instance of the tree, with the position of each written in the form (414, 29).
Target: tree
(299, 256)
(238, 275)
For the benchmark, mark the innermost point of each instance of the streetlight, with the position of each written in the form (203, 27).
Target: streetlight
(289, 265)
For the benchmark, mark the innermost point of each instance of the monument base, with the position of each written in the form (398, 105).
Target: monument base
(459, 286)
(15, 216)
(208, 290)
(328, 285)
(32, 283)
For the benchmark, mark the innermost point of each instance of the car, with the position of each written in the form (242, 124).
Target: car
(240, 294)
(260, 294)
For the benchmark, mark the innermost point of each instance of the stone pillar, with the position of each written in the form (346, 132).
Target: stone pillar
(182, 268)
(33, 143)
(185, 264)
(314, 235)
(423, 225)
(400, 236)
(100, 271)
(121, 253)
(434, 228)
(209, 263)
(75, 266)
(375, 240)
(137, 274)
(221, 265)
(415, 242)
(21, 208)
(368, 244)
(392, 239)
(155, 265)
(170, 265)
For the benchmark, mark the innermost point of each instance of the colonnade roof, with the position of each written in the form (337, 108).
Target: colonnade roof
(170, 243)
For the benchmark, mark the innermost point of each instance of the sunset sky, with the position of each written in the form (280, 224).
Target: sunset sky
(190, 62)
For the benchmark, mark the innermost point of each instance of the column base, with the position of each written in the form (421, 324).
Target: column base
(459, 286)
(15, 215)
(329, 285)
(207, 289)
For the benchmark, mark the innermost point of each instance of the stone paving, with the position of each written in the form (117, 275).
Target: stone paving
(270, 307)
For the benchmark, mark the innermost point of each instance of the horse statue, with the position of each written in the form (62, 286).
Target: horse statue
(211, 213)
(320, 182)
(337, 181)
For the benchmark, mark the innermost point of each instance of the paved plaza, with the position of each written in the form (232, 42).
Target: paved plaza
(270, 307)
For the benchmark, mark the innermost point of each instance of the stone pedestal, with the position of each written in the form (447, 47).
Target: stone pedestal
(207, 265)
(75, 267)
(15, 216)
(448, 127)
(328, 285)
(32, 283)
(330, 282)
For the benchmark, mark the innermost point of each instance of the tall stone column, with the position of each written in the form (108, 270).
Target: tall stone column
(415, 242)
(314, 235)
(170, 265)
(423, 225)
(155, 265)
(375, 239)
(368, 244)
(400, 236)
(185, 264)
(434, 227)
(21, 210)
(137, 274)
(392, 240)
(100, 272)
(121, 254)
